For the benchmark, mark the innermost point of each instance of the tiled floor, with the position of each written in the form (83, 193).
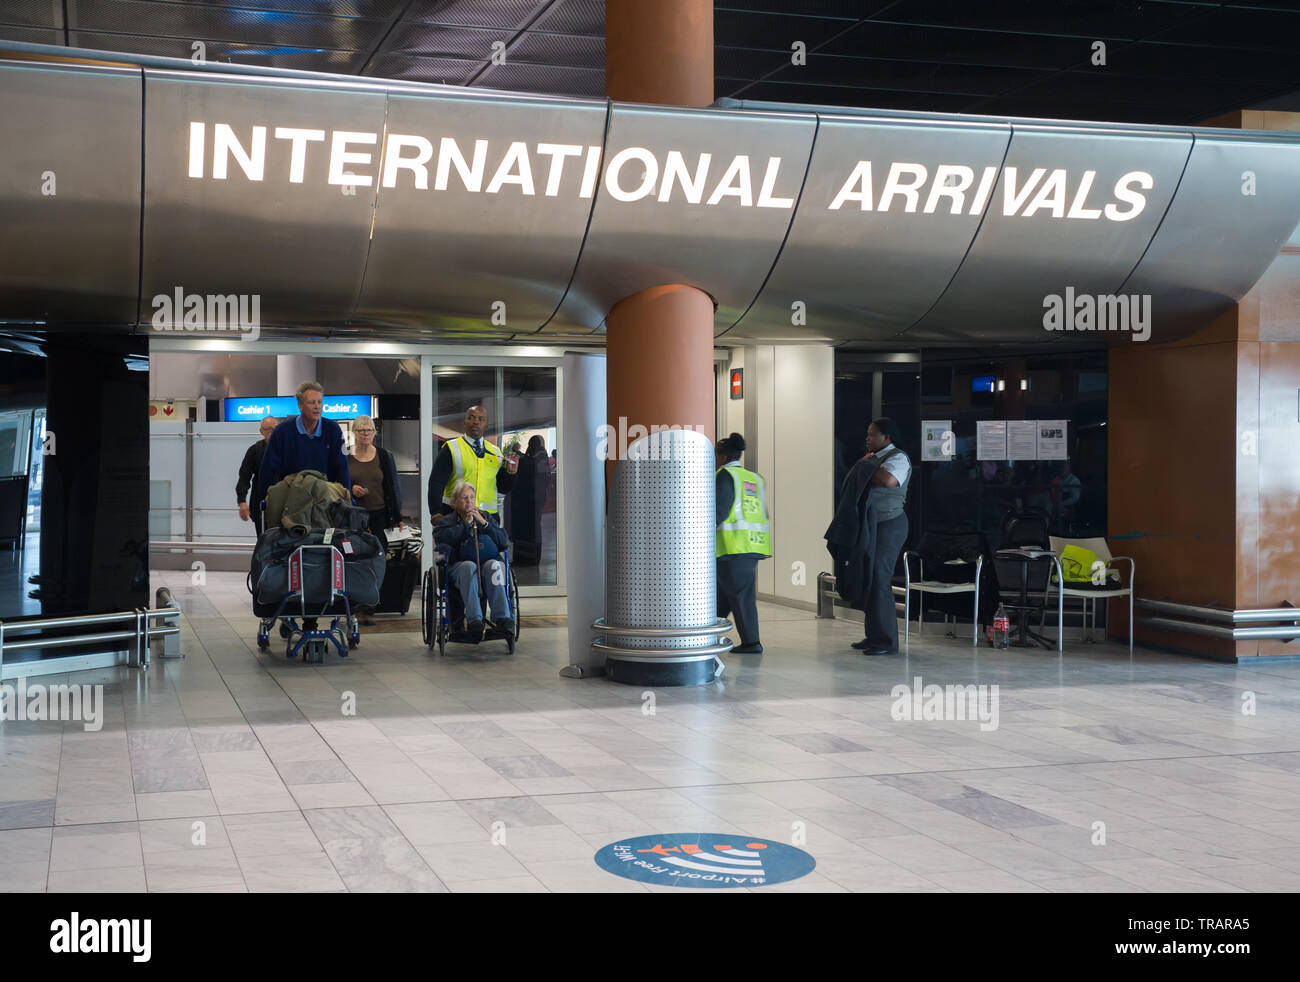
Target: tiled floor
(231, 770)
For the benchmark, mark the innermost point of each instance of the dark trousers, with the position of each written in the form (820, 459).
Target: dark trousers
(255, 514)
(736, 594)
(377, 523)
(881, 616)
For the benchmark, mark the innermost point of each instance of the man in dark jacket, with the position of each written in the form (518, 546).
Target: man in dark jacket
(867, 534)
(472, 542)
(306, 442)
(252, 463)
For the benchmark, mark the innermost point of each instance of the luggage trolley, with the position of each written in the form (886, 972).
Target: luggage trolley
(440, 609)
(344, 631)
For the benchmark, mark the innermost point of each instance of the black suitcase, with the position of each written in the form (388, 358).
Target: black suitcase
(400, 576)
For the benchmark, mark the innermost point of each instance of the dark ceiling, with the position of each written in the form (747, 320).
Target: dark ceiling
(1166, 61)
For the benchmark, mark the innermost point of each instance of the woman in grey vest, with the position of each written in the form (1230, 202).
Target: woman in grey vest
(868, 532)
(889, 494)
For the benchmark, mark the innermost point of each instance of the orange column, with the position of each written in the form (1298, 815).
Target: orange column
(659, 341)
(659, 51)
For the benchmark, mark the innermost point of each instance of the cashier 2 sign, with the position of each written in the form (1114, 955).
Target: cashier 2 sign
(705, 860)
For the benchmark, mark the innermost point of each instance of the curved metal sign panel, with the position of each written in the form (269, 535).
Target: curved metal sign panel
(1071, 210)
(886, 216)
(482, 208)
(701, 197)
(69, 193)
(1238, 203)
(350, 208)
(258, 189)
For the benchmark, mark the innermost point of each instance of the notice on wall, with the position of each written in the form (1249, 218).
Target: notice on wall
(1022, 439)
(1051, 439)
(937, 439)
(991, 439)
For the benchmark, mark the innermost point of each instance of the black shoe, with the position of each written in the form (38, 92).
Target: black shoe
(878, 651)
(862, 645)
(748, 649)
(474, 631)
(506, 626)
(309, 623)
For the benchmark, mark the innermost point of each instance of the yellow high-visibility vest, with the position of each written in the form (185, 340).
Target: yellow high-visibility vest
(467, 466)
(746, 529)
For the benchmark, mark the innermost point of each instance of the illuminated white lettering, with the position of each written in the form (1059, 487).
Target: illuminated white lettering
(417, 165)
(339, 156)
(894, 185)
(298, 148)
(226, 145)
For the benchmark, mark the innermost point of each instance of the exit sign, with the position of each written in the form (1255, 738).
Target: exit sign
(737, 383)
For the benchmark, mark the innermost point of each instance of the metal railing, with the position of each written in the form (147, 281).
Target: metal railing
(1191, 618)
(140, 632)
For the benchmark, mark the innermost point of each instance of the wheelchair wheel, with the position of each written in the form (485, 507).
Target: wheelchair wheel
(442, 624)
(514, 609)
(428, 613)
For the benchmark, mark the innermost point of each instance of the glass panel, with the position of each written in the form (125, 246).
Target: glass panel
(455, 389)
(73, 479)
(529, 429)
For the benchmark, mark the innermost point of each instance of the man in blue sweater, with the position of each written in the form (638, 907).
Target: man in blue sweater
(306, 442)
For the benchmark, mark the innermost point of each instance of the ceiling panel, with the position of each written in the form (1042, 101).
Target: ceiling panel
(1168, 61)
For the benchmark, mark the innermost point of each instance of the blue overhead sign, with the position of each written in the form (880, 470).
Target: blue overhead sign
(336, 407)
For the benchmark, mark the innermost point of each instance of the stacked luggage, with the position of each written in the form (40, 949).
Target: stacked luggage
(315, 559)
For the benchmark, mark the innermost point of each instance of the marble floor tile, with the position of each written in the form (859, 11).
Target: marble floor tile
(89, 847)
(125, 879)
(490, 773)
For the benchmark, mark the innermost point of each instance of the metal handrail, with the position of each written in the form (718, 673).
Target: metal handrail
(186, 544)
(140, 634)
(1246, 615)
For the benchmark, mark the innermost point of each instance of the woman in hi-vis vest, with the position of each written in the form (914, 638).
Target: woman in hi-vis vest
(744, 537)
(472, 459)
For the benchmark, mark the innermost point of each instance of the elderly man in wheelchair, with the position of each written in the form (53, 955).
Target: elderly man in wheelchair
(473, 543)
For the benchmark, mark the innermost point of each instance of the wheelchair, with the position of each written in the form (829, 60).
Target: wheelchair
(441, 608)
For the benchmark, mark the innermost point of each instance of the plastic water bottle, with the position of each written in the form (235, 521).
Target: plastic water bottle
(1001, 627)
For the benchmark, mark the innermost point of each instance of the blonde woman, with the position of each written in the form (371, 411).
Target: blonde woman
(374, 483)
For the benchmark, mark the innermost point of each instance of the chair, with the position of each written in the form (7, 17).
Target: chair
(951, 556)
(1024, 528)
(1089, 593)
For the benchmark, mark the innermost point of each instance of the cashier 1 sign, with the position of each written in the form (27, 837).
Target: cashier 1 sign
(704, 860)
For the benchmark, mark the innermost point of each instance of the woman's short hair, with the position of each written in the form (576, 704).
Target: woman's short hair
(888, 428)
(363, 421)
(459, 488)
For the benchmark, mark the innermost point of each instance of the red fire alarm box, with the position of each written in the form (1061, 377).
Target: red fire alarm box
(737, 383)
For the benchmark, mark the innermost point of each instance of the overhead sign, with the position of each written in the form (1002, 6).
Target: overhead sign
(705, 860)
(637, 172)
(336, 407)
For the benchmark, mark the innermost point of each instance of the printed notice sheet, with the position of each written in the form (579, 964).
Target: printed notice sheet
(991, 439)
